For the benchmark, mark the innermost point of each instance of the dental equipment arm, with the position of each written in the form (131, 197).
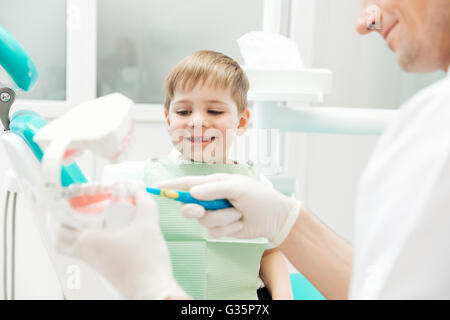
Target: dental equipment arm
(17, 72)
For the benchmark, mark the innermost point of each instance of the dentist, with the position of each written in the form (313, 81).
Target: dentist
(402, 239)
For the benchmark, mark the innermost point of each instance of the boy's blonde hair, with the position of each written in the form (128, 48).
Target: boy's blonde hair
(213, 67)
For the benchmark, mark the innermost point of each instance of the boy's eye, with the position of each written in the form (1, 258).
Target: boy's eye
(215, 112)
(183, 112)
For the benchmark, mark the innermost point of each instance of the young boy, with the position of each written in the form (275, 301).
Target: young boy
(205, 109)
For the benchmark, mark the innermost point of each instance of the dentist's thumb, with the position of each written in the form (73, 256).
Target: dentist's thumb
(192, 211)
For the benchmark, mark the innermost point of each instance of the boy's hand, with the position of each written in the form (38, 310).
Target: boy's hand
(258, 210)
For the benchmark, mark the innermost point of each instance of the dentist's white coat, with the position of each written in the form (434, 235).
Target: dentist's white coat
(402, 238)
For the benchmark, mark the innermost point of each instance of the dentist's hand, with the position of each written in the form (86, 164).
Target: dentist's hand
(258, 210)
(134, 259)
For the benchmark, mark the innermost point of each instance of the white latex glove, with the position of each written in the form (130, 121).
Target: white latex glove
(134, 259)
(258, 210)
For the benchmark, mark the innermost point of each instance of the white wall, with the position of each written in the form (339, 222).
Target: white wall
(366, 73)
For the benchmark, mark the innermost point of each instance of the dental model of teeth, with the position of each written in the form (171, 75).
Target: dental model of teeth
(96, 205)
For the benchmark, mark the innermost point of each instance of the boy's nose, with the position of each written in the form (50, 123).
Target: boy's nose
(198, 121)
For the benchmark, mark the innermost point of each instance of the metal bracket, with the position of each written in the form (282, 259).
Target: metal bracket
(7, 97)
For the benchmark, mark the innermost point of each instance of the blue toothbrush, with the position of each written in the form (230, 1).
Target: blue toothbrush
(185, 197)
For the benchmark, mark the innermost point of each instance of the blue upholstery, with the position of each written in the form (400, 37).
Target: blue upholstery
(303, 289)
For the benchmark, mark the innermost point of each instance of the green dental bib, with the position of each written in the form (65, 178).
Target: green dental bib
(206, 267)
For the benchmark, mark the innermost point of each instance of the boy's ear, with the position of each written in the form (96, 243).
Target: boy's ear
(244, 118)
(166, 115)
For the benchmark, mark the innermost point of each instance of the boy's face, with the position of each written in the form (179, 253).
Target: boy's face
(203, 123)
